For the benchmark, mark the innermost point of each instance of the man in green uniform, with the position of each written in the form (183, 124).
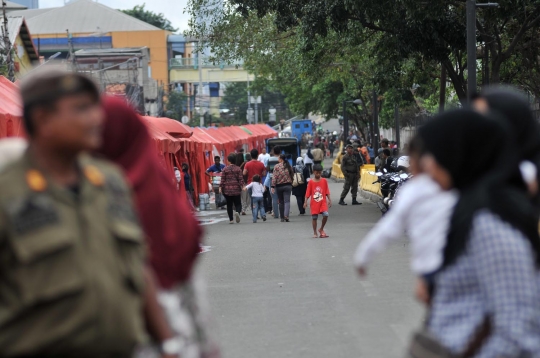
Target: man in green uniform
(349, 168)
(71, 249)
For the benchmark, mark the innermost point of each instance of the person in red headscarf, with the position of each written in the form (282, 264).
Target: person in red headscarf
(173, 233)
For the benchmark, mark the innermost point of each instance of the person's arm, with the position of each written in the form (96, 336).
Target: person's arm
(241, 180)
(389, 228)
(156, 322)
(504, 264)
(329, 202)
(207, 172)
(308, 195)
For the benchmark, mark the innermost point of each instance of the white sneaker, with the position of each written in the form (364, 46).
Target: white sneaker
(237, 216)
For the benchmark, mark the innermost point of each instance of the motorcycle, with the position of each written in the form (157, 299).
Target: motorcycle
(390, 185)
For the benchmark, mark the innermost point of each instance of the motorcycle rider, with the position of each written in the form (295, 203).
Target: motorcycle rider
(349, 167)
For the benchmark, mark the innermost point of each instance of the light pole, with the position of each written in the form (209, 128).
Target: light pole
(471, 43)
(346, 119)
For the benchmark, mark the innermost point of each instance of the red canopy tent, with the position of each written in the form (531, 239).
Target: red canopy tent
(11, 111)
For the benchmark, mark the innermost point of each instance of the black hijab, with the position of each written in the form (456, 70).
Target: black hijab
(514, 108)
(477, 153)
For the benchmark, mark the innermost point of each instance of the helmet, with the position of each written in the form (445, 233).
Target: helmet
(403, 162)
(335, 133)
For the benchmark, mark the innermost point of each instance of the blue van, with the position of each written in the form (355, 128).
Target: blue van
(288, 146)
(301, 126)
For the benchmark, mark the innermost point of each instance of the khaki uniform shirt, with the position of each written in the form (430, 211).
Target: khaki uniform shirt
(71, 264)
(318, 155)
(349, 165)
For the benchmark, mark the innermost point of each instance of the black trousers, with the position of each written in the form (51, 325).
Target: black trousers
(300, 200)
(233, 200)
(267, 200)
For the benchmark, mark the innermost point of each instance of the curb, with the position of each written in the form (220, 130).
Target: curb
(370, 196)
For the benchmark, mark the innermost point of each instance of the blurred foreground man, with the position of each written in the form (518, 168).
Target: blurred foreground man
(71, 250)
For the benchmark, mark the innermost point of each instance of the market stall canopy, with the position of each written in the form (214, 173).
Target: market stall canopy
(10, 100)
(11, 111)
(173, 128)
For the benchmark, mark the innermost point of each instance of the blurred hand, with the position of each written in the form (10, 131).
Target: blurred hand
(421, 291)
(329, 203)
(362, 271)
(273, 191)
(305, 205)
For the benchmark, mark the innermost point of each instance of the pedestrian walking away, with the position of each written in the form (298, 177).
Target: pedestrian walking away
(257, 195)
(72, 263)
(300, 183)
(232, 184)
(349, 168)
(319, 193)
(244, 195)
(487, 289)
(308, 161)
(282, 180)
(214, 173)
(318, 154)
(273, 203)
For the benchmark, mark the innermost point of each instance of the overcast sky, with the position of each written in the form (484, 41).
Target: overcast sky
(173, 9)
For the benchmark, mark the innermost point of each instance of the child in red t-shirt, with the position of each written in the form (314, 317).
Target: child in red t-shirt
(318, 191)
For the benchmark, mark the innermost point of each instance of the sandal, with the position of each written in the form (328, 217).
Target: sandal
(323, 234)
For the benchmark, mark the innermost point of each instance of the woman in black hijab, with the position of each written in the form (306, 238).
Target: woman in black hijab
(514, 108)
(489, 276)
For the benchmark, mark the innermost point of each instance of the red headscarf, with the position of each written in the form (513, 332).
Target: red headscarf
(172, 231)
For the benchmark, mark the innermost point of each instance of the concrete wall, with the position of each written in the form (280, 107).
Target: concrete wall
(156, 41)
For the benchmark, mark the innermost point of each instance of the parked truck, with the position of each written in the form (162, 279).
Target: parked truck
(299, 127)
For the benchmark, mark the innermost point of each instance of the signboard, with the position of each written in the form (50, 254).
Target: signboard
(185, 119)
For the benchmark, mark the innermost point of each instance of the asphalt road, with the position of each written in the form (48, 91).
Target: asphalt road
(277, 292)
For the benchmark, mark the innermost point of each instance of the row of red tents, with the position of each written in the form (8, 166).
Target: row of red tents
(176, 142)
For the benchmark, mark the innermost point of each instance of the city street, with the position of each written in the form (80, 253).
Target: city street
(276, 292)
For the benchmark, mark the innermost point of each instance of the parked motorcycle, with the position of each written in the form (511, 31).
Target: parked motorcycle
(391, 182)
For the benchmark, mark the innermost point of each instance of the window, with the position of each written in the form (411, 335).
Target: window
(306, 125)
(297, 126)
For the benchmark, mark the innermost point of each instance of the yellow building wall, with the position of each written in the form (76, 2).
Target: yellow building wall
(22, 58)
(156, 41)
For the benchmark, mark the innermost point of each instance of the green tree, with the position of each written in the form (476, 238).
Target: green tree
(175, 105)
(158, 20)
(434, 30)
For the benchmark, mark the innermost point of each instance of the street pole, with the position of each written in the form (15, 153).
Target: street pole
(376, 121)
(256, 110)
(396, 118)
(345, 123)
(442, 89)
(471, 48)
(199, 92)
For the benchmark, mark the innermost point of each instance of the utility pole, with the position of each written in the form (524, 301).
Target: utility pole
(377, 138)
(199, 92)
(71, 58)
(471, 48)
(471, 44)
(396, 119)
(7, 46)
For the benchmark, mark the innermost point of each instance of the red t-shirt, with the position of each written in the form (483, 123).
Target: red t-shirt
(254, 168)
(318, 192)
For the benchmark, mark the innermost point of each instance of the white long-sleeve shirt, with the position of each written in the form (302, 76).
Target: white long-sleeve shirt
(423, 210)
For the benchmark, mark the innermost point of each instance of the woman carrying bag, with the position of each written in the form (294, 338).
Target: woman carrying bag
(300, 181)
(282, 180)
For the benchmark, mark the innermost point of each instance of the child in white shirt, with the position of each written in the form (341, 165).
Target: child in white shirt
(423, 210)
(257, 194)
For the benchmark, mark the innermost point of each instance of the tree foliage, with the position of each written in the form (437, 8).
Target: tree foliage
(158, 20)
(175, 105)
(321, 53)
